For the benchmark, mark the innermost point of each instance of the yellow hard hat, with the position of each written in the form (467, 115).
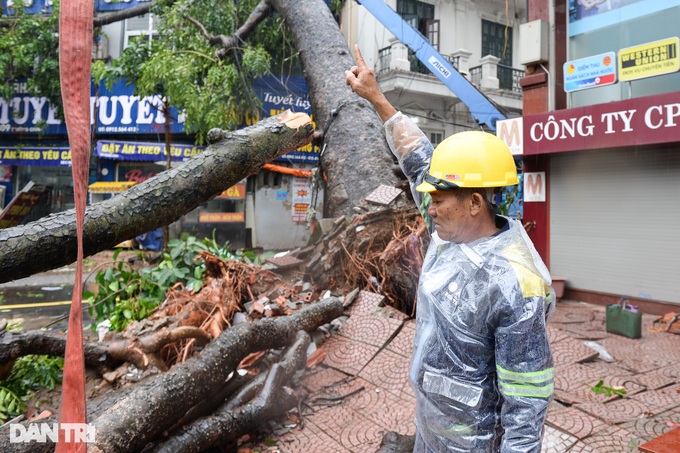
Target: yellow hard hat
(470, 159)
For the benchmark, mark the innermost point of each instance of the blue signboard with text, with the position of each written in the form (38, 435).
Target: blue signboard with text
(288, 94)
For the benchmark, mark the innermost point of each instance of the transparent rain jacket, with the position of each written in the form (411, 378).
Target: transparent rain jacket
(482, 367)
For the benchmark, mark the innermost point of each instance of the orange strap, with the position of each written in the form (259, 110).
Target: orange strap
(288, 171)
(75, 54)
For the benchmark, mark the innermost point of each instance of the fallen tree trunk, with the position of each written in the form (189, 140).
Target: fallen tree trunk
(263, 399)
(134, 418)
(50, 242)
(154, 406)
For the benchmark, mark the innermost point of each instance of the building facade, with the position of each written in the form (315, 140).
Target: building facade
(601, 148)
(478, 38)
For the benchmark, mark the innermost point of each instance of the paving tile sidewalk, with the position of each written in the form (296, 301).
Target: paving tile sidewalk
(361, 389)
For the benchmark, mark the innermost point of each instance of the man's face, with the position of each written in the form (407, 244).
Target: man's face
(451, 216)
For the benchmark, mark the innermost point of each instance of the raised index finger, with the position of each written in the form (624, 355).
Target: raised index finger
(358, 57)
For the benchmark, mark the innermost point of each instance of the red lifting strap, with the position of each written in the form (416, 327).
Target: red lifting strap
(75, 54)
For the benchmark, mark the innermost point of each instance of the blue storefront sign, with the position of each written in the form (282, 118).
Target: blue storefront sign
(117, 5)
(45, 6)
(115, 111)
(278, 95)
(30, 7)
(119, 112)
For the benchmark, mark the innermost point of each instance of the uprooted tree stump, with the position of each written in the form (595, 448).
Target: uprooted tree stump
(380, 250)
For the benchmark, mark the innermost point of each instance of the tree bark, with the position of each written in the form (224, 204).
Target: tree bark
(357, 158)
(154, 406)
(142, 352)
(50, 242)
(134, 418)
(244, 413)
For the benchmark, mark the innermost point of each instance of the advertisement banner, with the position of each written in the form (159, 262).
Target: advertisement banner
(235, 192)
(590, 15)
(140, 151)
(302, 198)
(289, 94)
(595, 71)
(117, 111)
(648, 60)
(21, 204)
(221, 217)
(35, 155)
(45, 6)
(117, 5)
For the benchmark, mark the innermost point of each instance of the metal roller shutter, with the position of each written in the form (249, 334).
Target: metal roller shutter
(614, 219)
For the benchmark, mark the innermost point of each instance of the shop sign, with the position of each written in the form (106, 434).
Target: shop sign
(595, 71)
(221, 217)
(118, 5)
(302, 198)
(137, 171)
(30, 6)
(277, 97)
(639, 121)
(110, 187)
(534, 186)
(115, 111)
(235, 192)
(138, 151)
(22, 204)
(648, 60)
(510, 131)
(45, 6)
(35, 155)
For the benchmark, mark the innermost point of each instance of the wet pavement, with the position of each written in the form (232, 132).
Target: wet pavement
(37, 306)
(360, 391)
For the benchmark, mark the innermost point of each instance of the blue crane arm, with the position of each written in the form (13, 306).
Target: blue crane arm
(481, 108)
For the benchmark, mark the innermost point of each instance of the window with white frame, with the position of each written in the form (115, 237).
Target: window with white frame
(146, 25)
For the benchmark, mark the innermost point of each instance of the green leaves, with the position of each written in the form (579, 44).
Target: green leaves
(126, 294)
(10, 404)
(30, 373)
(600, 388)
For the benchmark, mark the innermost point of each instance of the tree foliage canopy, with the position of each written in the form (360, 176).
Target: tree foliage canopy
(182, 63)
(28, 51)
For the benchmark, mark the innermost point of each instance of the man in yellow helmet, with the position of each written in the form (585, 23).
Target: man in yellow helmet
(482, 367)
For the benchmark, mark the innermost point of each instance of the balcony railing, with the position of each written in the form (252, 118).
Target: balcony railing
(508, 77)
(483, 75)
(385, 57)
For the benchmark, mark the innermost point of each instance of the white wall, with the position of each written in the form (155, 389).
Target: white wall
(274, 227)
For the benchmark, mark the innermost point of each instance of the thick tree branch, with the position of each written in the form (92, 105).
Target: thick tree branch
(117, 16)
(158, 201)
(155, 405)
(141, 351)
(264, 398)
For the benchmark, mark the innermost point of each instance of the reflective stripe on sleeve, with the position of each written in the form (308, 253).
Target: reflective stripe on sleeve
(537, 384)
